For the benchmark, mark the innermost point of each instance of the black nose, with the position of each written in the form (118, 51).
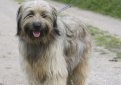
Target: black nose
(36, 25)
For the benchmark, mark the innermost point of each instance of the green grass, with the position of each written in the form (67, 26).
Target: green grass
(107, 7)
(118, 55)
(106, 40)
(20, 1)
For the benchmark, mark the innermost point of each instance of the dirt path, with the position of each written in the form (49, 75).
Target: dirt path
(102, 71)
(10, 73)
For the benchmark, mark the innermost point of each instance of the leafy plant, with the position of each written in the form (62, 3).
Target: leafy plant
(106, 40)
(107, 7)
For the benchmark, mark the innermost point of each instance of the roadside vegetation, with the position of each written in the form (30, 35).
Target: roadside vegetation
(107, 7)
(106, 40)
(20, 1)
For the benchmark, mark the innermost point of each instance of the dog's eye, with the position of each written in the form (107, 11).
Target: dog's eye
(44, 15)
(31, 13)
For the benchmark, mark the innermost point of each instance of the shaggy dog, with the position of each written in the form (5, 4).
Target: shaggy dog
(53, 49)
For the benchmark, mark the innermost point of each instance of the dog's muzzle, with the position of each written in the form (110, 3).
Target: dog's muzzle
(36, 29)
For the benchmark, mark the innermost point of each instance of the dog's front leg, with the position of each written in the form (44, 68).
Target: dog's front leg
(57, 80)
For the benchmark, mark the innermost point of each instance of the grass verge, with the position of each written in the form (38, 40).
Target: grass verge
(106, 40)
(107, 7)
(19, 1)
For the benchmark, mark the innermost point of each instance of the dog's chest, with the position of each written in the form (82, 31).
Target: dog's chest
(49, 66)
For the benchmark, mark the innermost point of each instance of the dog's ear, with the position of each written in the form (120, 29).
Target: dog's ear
(19, 15)
(54, 13)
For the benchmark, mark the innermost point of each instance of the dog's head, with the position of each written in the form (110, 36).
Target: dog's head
(37, 21)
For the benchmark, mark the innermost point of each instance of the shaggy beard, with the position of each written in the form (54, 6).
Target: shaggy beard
(46, 37)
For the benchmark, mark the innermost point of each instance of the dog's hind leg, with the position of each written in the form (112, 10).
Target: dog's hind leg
(79, 74)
